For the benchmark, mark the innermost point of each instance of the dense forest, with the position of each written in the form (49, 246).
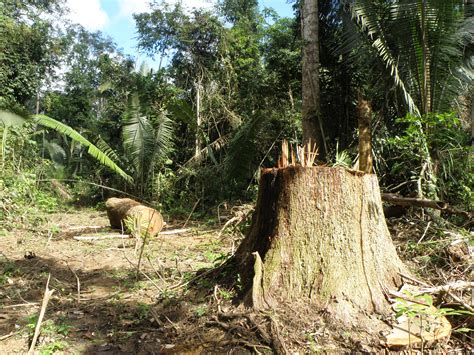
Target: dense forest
(277, 150)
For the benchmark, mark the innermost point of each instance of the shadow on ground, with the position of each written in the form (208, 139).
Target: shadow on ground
(113, 315)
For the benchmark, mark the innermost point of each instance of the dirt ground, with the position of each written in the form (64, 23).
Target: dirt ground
(101, 306)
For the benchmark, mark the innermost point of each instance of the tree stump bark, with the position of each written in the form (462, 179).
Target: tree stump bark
(119, 209)
(321, 236)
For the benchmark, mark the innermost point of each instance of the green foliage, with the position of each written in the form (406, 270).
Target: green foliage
(440, 139)
(201, 311)
(422, 46)
(423, 307)
(22, 196)
(201, 126)
(49, 327)
(29, 49)
(147, 141)
(95, 152)
(61, 128)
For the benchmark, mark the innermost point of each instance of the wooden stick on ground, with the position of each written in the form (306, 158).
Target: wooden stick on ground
(31, 304)
(3, 337)
(453, 286)
(175, 231)
(90, 237)
(458, 285)
(78, 284)
(47, 295)
(192, 211)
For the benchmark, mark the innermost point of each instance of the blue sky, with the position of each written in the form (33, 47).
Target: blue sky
(114, 17)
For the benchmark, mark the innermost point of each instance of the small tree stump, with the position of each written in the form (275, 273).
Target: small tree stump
(119, 209)
(321, 236)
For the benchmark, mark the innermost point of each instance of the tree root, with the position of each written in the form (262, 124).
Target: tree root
(251, 328)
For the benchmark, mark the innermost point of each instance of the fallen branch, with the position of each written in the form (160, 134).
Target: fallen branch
(192, 211)
(175, 231)
(78, 282)
(21, 305)
(413, 201)
(90, 237)
(4, 337)
(47, 295)
(411, 278)
(454, 286)
(421, 202)
(75, 228)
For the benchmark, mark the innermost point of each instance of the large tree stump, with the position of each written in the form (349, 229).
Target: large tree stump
(321, 236)
(119, 209)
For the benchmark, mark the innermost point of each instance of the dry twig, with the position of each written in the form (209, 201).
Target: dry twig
(47, 295)
(101, 237)
(78, 282)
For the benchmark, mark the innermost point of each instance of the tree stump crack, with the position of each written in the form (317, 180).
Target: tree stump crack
(374, 305)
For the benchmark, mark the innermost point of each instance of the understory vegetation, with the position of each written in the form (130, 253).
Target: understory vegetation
(80, 121)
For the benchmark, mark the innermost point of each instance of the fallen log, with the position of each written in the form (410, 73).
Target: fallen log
(396, 200)
(413, 201)
(119, 209)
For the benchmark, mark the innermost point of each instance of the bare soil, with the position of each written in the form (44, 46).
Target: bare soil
(100, 306)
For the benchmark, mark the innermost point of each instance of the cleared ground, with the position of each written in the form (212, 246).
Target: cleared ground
(100, 306)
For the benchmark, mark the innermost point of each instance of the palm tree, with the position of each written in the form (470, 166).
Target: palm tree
(146, 141)
(421, 43)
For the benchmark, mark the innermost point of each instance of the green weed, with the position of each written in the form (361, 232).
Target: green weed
(200, 311)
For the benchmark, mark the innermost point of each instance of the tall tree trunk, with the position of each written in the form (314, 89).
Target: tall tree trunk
(197, 147)
(312, 121)
(318, 235)
(472, 120)
(426, 89)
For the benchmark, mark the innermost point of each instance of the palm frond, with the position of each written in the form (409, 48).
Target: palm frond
(163, 137)
(138, 136)
(93, 151)
(366, 15)
(242, 149)
(214, 146)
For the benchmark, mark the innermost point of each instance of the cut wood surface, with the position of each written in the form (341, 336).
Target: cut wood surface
(119, 209)
(417, 330)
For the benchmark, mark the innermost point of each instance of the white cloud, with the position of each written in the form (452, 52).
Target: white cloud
(129, 7)
(199, 4)
(88, 13)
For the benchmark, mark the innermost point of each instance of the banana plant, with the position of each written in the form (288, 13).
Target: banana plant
(9, 119)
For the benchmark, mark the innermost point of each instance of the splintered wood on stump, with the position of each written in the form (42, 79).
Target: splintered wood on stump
(321, 236)
(119, 209)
